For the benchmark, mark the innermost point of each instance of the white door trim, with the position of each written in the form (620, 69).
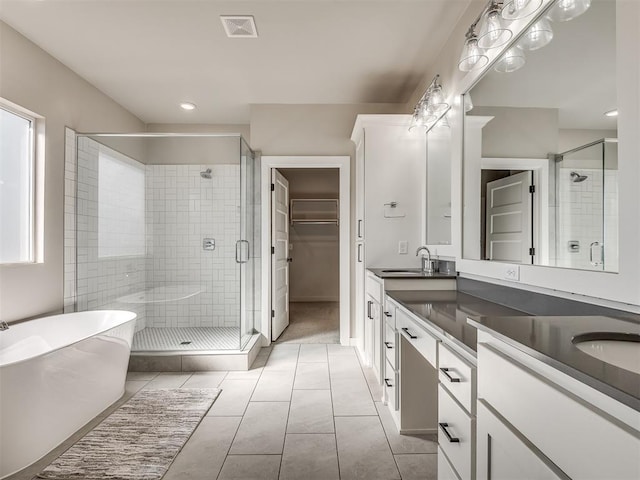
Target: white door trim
(343, 164)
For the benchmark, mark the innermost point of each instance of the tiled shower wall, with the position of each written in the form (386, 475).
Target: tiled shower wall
(182, 284)
(587, 212)
(183, 209)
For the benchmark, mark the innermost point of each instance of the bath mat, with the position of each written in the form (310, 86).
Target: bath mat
(138, 441)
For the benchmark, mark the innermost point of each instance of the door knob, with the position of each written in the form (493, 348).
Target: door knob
(289, 259)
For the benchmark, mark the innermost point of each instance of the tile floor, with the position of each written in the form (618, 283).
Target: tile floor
(305, 411)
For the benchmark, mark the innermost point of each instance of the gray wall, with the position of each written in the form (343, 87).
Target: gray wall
(35, 80)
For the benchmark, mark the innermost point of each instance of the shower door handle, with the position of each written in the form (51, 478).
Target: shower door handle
(599, 260)
(240, 258)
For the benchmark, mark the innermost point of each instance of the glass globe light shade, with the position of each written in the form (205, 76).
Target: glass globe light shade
(538, 35)
(565, 10)
(516, 9)
(468, 104)
(436, 103)
(493, 34)
(472, 57)
(512, 60)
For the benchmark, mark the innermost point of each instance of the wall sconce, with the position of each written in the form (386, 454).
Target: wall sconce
(431, 107)
(494, 31)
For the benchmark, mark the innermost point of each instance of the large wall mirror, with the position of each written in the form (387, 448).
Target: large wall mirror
(439, 185)
(540, 181)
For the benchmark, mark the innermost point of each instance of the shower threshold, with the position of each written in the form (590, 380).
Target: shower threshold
(191, 349)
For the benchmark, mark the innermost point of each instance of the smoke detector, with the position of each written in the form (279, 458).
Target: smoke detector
(239, 26)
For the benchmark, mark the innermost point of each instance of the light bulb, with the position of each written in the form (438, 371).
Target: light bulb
(435, 101)
(472, 57)
(538, 35)
(565, 10)
(512, 60)
(493, 34)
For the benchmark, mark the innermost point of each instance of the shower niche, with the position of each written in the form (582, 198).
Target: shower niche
(166, 225)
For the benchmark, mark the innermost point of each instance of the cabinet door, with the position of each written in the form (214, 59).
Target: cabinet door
(503, 453)
(378, 356)
(360, 189)
(368, 329)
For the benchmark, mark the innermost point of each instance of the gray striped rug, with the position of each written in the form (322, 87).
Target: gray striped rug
(138, 441)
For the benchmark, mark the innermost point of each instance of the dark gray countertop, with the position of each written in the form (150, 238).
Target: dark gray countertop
(447, 311)
(549, 339)
(415, 273)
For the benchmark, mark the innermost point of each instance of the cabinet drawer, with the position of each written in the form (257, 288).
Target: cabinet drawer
(390, 345)
(417, 336)
(390, 382)
(454, 421)
(374, 288)
(458, 376)
(445, 470)
(579, 438)
(389, 313)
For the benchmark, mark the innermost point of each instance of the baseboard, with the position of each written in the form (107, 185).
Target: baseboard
(329, 298)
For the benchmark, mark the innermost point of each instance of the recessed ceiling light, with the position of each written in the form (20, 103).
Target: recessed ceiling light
(188, 106)
(611, 113)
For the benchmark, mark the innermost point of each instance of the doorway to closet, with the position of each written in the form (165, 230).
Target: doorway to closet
(308, 279)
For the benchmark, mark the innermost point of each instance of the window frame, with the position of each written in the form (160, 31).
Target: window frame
(33, 125)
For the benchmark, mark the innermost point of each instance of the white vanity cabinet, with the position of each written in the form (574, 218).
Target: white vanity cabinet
(374, 296)
(535, 418)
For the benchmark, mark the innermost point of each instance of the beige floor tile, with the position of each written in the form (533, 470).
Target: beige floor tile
(363, 451)
(311, 412)
(377, 391)
(233, 399)
(283, 357)
(274, 386)
(168, 380)
(262, 429)
(250, 467)
(131, 387)
(313, 353)
(351, 397)
(309, 457)
(343, 366)
(312, 376)
(205, 380)
(253, 373)
(203, 455)
(339, 350)
(139, 376)
(418, 466)
(405, 443)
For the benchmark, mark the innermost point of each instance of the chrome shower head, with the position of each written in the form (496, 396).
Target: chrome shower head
(577, 178)
(206, 174)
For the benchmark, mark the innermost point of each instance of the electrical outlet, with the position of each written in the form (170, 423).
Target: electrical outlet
(512, 272)
(403, 247)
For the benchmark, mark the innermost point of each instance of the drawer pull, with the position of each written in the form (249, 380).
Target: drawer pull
(369, 304)
(388, 345)
(411, 336)
(443, 427)
(446, 373)
(388, 383)
(387, 314)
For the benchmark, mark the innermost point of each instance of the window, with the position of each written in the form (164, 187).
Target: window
(17, 153)
(121, 220)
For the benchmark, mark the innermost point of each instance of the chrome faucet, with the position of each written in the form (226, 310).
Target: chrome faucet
(427, 263)
(4, 326)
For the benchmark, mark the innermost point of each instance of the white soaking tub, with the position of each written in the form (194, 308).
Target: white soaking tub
(56, 374)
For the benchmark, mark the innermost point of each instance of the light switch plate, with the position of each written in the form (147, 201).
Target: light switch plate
(512, 272)
(403, 247)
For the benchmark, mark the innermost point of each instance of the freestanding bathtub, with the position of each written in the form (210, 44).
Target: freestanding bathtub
(56, 374)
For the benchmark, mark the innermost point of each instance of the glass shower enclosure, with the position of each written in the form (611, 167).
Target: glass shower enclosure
(166, 227)
(586, 214)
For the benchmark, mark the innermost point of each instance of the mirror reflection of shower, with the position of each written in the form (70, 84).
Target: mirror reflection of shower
(575, 177)
(206, 174)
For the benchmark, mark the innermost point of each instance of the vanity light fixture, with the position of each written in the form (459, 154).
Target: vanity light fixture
(611, 113)
(517, 9)
(512, 60)
(431, 107)
(473, 57)
(188, 106)
(538, 35)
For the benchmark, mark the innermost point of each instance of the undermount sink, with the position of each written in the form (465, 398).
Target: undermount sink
(619, 349)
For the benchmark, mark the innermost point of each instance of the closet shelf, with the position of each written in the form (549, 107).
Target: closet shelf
(314, 211)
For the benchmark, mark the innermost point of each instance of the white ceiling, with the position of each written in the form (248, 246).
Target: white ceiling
(150, 55)
(575, 73)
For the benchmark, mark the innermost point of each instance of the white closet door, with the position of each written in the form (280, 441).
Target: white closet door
(280, 244)
(509, 219)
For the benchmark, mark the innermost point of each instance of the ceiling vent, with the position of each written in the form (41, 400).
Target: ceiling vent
(239, 26)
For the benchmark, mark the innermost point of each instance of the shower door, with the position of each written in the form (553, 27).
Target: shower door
(586, 217)
(245, 256)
